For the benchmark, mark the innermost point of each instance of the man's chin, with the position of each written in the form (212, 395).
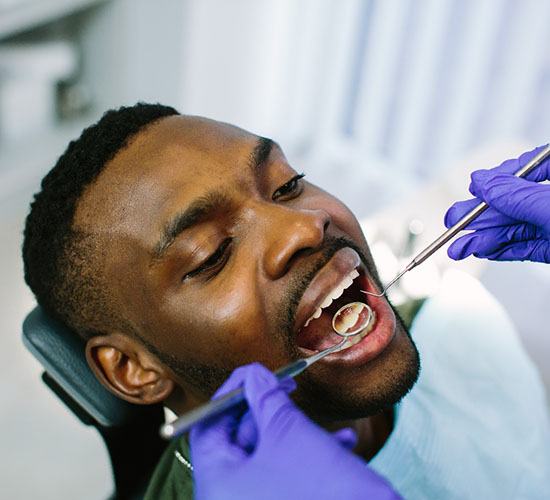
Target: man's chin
(379, 385)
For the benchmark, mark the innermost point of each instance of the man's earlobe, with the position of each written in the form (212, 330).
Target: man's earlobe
(127, 369)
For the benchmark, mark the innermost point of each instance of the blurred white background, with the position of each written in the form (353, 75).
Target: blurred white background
(387, 103)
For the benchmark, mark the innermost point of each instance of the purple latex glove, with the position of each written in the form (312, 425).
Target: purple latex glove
(273, 451)
(517, 226)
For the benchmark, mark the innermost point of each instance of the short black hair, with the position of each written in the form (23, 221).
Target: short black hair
(59, 260)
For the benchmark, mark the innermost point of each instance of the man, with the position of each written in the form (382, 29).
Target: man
(181, 248)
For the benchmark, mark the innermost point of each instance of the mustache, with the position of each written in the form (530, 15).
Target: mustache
(301, 283)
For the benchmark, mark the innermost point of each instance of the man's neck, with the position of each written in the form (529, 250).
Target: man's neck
(372, 432)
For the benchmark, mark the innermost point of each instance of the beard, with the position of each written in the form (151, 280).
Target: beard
(321, 401)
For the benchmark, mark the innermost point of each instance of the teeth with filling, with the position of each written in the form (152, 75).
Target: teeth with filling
(334, 294)
(360, 336)
(351, 318)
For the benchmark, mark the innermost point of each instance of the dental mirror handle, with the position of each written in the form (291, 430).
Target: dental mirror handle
(219, 405)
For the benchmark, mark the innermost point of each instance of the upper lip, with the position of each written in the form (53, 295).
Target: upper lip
(331, 274)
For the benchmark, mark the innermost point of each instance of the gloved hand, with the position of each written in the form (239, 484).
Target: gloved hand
(273, 451)
(517, 224)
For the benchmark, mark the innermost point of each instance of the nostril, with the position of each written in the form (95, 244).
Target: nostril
(301, 253)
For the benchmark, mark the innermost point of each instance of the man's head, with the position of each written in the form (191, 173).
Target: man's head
(180, 248)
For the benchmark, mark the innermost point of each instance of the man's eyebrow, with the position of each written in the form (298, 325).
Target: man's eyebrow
(261, 152)
(197, 211)
(204, 206)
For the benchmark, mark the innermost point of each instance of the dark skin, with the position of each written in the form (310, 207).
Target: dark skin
(184, 299)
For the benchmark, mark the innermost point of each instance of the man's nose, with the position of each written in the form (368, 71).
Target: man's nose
(291, 234)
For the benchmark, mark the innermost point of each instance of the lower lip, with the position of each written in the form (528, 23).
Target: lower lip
(375, 342)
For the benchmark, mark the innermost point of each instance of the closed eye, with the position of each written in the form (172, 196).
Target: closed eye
(215, 263)
(290, 189)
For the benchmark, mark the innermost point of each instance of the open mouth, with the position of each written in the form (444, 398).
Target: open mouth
(317, 333)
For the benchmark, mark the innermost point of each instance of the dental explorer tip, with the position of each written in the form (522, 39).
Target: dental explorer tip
(374, 294)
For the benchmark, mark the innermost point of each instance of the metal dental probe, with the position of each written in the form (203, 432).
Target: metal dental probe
(459, 226)
(219, 405)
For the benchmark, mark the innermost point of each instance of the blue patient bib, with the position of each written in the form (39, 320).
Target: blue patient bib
(475, 426)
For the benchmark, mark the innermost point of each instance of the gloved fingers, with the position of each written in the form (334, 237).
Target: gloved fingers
(287, 384)
(534, 251)
(243, 430)
(214, 438)
(489, 243)
(480, 243)
(463, 247)
(216, 435)
(489, 218)
(222, 428)
(235, 432)
(458, 210)
(234, 381)
(541, 173)
(347, 437)
(517, 198)
(268, 400)
(241, 427)
(247, 432)
(246, 436)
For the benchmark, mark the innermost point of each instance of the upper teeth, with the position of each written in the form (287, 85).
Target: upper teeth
(336, 292)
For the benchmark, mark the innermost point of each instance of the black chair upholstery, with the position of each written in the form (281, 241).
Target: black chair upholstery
(129, 431)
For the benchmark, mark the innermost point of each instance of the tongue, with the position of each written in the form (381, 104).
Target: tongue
(318, 335)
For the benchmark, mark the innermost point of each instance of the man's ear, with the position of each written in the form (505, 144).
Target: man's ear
(127, 369)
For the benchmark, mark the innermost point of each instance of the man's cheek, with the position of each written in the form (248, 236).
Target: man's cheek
(231, 331)
(236, 343)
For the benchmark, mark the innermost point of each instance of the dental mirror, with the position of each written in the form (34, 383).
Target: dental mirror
(351, 319)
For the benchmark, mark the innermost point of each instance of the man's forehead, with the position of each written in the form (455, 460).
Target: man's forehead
(188, 134)
(157, 160)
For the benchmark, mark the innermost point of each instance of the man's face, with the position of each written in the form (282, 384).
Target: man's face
(219, 253)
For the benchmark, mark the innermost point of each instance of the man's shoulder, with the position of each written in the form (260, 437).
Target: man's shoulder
(172, 478)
